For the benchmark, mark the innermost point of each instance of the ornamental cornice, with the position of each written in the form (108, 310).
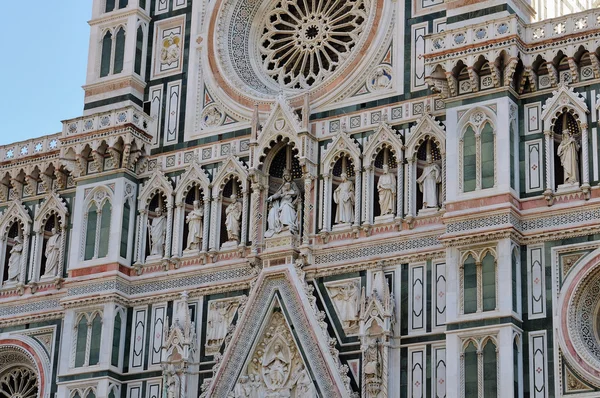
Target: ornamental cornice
(94, 301)
(120, 16)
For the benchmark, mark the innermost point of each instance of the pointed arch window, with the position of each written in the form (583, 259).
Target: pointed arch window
(478, 282)
(477, 153)
(139, 50)
(97, 230)
(112, 53)
(110, 6)
(470, 365)
(106, 54)
(490, 370)
(119, 51)
(469, 160)
(88, 338)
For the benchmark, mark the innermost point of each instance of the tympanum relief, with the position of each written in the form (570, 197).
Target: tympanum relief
(276, 368)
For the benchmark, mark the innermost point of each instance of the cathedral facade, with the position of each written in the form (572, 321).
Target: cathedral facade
(313, 198)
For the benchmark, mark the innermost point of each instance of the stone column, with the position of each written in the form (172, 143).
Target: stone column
(35, 262)
(140, 239)
(307, 203)
(410, 188)
(178, 225)
(400, 190)
(255, 202)
(585, 164)
(443, 181)
(326, 203)
(245, 210)
(169, 234)
(477, 160)
(368, 198)
(206, 222)
(214, 223)
(357, 195)
(549, 154)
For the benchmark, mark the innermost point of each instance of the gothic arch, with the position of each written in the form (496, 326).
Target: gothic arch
(383, 137)
(194, 175)
(281, 125)
(427, 128)
(157, 184)
(53, 204)
(476, 118)
(564, 99)
(342, 145)
(231, 168)
(15, 213)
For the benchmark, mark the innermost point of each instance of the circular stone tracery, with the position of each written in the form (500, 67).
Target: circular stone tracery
(305, 41)
(261, 49)
(579, 316)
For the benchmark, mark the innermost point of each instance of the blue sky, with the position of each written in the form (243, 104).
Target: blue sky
(43, 66)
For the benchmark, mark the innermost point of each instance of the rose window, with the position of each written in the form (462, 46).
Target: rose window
(265, 48)
(303, 42)
(19, 382)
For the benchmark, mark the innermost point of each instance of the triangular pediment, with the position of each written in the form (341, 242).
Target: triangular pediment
(264, 346)
(193, 175)
(341, 145)
(561, 98)
(53, 203)
(383, 136)
(426, 128)
(16, 212)
(158, 182)
(232, 166)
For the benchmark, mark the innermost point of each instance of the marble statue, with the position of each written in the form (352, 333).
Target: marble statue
(283, 213)
(344, 198)
(346, 300)
(386, 187)
(220, 316)
(568, 153)
(276, 365)
(233, 214)
(52, 253)
(158, 232)
(194, 221)
(14, 261)
(428, 183)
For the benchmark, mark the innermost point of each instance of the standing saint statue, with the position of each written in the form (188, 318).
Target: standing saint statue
(52, 253)
(283, 213)
(14, 261)
(346, 299)
(386, 187)
(158, 232)
(233, 214)
(568, 153)
(343, 196)
(194, 221)
(430, 178)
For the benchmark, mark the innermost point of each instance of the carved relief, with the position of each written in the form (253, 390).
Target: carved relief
(276, 368)
(220, 316)
(346, 298)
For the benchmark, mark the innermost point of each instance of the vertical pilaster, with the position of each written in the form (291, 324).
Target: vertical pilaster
(206, 222)
(245, 211)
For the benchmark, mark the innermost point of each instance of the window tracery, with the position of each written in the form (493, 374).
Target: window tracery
(96, 224)
(477, 151)
(20, 382)
(478, 281)
(479, 367)
(87, 338)
(112, 51)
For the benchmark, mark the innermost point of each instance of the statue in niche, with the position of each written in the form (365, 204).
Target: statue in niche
(52, 253)
(282, 212)
(343, 196)
(158, 231)
(568, 153)
(194, 222)
(14, 261)
(428, 183)
(220, 316)
(386, 187)
(345, 297)
(233, 214)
